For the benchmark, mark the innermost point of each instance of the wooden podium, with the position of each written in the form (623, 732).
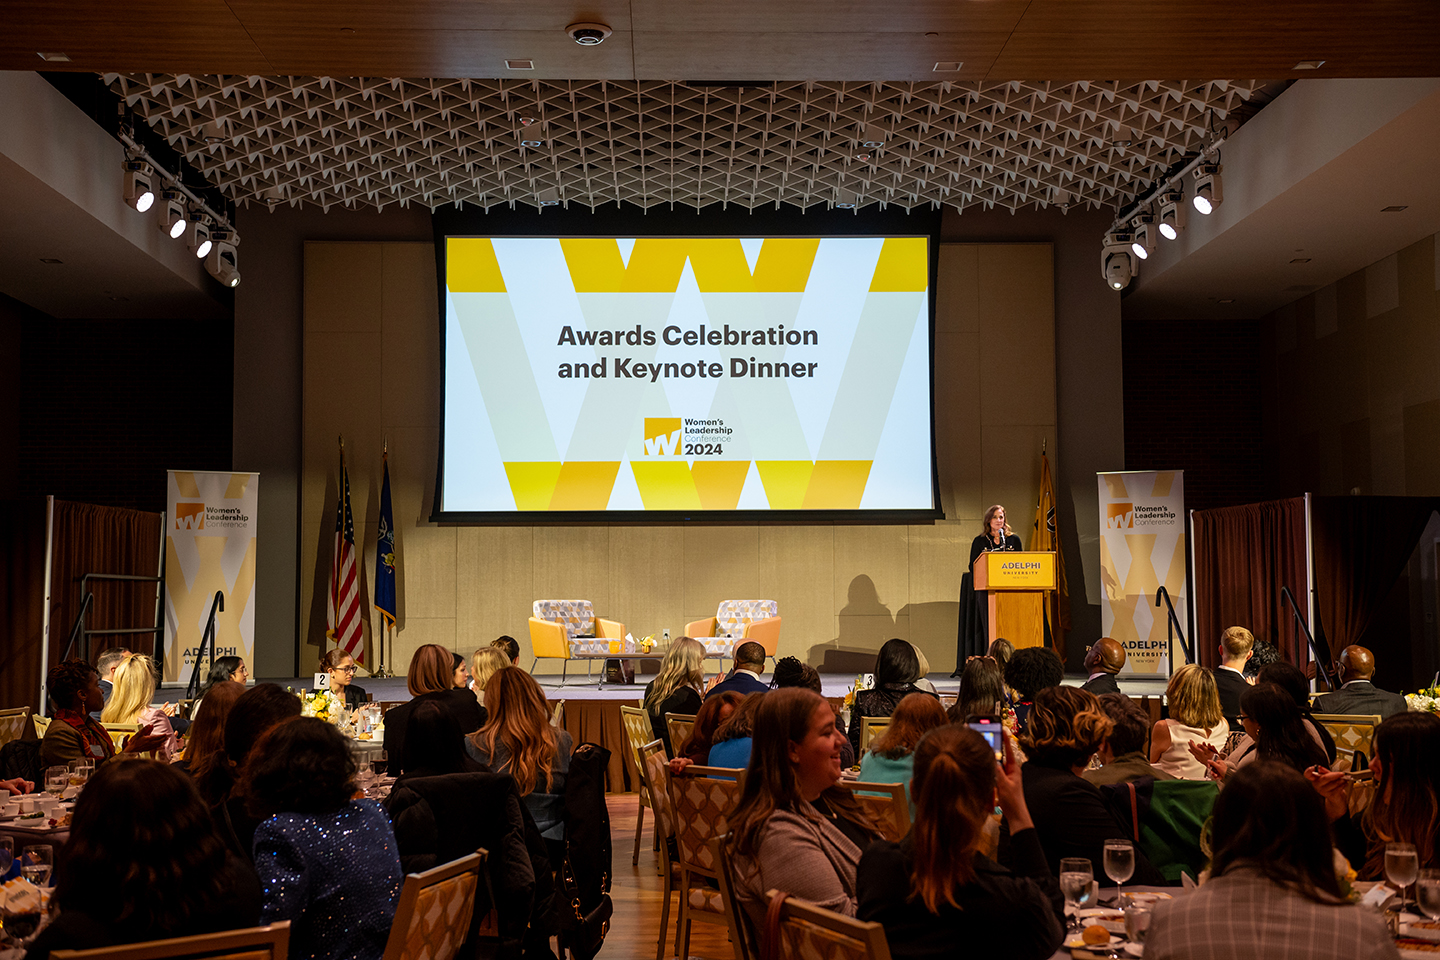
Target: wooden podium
(1018, 583)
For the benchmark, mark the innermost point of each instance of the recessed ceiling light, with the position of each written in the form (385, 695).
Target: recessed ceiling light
(1301, 260)
(1309, 65)
(948, 66)
(55, 57)
(520, 64)
(1393, 209)
(532, 143)
(50, 260)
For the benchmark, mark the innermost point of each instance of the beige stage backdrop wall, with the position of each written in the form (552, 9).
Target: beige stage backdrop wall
(372, 371)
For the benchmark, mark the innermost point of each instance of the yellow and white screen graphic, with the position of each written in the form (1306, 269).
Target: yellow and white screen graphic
(687, 374)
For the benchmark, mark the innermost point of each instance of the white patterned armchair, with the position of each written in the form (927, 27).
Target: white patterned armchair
(735, 622)
(569, 630)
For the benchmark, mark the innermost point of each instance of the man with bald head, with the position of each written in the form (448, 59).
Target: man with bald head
(1102, 661)
(1357, 695)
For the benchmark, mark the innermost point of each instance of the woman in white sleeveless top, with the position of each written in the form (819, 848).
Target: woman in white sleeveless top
(1195, 717)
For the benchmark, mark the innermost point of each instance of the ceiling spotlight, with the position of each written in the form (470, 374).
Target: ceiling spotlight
(1208, 188)
(172, 213)
(862, 156)
(139, 184)
(846, 200)
(1172, 213)
(197, 234)
(871, 136)
(588, 34)
(221, 263)
(527, 121)
(1117, 261)
(549, 197)
(1144, 241)
(532, 143)
(213, 131)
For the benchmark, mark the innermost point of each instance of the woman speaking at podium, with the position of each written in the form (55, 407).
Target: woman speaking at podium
(973, 635)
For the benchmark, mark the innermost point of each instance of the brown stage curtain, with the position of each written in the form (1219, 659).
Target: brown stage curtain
(1243, 555)
(95, 539)
(1362, 544)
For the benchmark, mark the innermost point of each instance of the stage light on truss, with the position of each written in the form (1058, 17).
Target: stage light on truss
(1172, 213)
(1209, 192)
(1118, 264)
(221, 264)
(197, 234)
(1144, 241)
(139, 185)
(171, 219)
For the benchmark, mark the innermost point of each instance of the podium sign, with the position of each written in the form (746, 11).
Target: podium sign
(1017, 584)
(1007, 570)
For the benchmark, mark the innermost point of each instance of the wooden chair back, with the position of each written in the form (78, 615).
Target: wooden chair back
(557, 716)
(890, 811)
(870, 728)
(679, 726)
(638, 732)
(702, 797)
(42, 724)
(1352, 733)
(795, 928)
(657, 781)
(432, 919)
(119, 732)
(257, 943)
(747, 944)
(12, 724)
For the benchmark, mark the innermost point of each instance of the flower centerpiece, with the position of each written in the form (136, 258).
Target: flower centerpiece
(1426, 700)
(646, 643)
(324, 705)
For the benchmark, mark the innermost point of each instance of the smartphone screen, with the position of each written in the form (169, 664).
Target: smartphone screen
(990, 729)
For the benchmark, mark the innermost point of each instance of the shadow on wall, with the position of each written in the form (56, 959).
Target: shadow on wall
(865, 623)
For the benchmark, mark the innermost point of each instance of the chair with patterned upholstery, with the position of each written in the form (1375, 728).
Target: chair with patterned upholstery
(42, 724)
(120, 732)
(701, 802)
(657, 776)
(257, 943)
(13, 723)
(569, 630)
(432, 918)
(798, 930)
(742, 933)
(870, 728)
(679, 726)
(735, 622)
(1353, 734)
(638, 733)
(886, 804)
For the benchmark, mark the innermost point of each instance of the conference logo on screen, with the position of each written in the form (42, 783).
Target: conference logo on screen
(662, 436)
(1120, 516)
(189, 516)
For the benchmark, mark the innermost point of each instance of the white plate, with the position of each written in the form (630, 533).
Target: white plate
(1134, 949)
(1415, 931)
(1078, 941)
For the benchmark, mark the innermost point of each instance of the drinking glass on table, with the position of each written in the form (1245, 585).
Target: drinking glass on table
(1119, 862)
(1401, 865)
(379, 762)
(57, 778)
(1137, 922)
(1077, 883)
(1427, 893)
(37, 862)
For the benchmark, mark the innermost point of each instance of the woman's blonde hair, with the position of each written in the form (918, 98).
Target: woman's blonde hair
(1193, 697)
(990, 513)
(924, 663)
(486, 662)
(683, 666)
(134, 689)
(518, 717)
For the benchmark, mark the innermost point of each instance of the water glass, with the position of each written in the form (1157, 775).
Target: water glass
(1137, 922)
(57, 778)
(37, 862)
(1427, 893)
(1077, 883)
(1119, 861)
(1401, 865)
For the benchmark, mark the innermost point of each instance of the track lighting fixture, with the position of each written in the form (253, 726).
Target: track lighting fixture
(846, 199)
(172, 213)
(1208, 188)
(1144, 241)
(1172, 214)
(221, 263)
(198, 234)
(139, 184)
(1117, 261)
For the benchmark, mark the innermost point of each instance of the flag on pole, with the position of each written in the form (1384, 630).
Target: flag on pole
(343, 614)
(1044, 537)
(385, 551)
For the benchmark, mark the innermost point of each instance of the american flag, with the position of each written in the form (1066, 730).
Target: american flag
(343, 614)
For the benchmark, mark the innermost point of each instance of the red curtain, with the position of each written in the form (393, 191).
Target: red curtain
(1243, 555)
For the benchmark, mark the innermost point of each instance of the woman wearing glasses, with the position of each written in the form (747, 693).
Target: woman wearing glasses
(341, 667)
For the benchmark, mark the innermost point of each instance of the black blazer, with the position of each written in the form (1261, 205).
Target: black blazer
(1361, 697)
(983, 543)
(1231, 685)
(880, 702)
(1102, 684)
(741, 683)
(460, 702)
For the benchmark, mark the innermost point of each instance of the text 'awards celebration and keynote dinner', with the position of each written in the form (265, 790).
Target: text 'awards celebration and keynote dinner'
(942, 481)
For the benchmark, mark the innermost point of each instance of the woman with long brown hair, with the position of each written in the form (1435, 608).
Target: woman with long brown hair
(206, 744)
(891, 756)
(935, 889)
(431, 678)
(793, 829)
(713, 713)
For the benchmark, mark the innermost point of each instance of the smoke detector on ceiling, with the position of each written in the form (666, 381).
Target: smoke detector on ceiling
(588, 34)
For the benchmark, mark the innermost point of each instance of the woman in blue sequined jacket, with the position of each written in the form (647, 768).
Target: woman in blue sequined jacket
(326, 862)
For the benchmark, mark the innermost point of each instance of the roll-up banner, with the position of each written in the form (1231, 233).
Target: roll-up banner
(209, 548)
(1142, 547)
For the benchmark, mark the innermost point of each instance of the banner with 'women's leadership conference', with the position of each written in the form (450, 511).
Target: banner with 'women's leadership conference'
(209, 548)
(1142, 547)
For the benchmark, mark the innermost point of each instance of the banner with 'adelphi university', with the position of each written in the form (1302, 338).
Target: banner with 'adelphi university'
(1142, 547)
(209, 546)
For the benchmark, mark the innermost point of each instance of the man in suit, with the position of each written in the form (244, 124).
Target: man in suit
(1237, 646)
(745, 678)
(1357, 695)
(1102, 661)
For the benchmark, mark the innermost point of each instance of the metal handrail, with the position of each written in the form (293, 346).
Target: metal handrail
(78, 630)
(1172, 624)
(82, 632)
(206, 638)
(1287, 597)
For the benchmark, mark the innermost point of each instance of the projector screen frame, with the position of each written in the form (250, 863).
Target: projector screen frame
(630, 221)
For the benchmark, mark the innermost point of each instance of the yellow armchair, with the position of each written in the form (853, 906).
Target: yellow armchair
(735, 622)
(569, 630)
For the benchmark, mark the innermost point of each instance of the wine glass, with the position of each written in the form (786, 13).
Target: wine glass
(1077, 883)
(1427, 893)
(1119, 862)
(380, 762)
(57, 778)
(1401, 866)
(36, 863)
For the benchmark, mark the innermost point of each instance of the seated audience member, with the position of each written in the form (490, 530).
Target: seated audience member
(982, 692)
(130, 702)
(1274, 731)
(934, 889)
(733, 741)
(1122, 755)
(437, 746)
(1103, 660)
(790, 672)
(1195, 717)
(891, 757)
(341, 668)
(1000, 650)
(1029, 671)
(1293, 681)
(897, 667)
(1357, 693)
(224, 670)
(431, 678)
(676, 688)
(1065, 729)
(509, 646)
(1262, 655)
(486, 662)
(517, 739)
(1272, 892)
(793, 828)
(207, 733)
(713, 713)
(74, 689)
(327, 862)
(922, 672)
(144, 863)
(106, 664)
(255, 712)
(745, 678)
(460, 678)
(1237, 646)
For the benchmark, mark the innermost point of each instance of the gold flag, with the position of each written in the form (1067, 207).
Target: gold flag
(1044, 537)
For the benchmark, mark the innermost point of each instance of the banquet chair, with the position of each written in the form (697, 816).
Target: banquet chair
(42, 724)
(569, 630)
(557, 716)
(119, 732)
(805, 930)
(12, 724)
(256, 943)
(679, 726)
(870, 728)
(701, 802)
(657, 775)
(736, 621)
(638, 733)
(432, 918)
(747, 945)
(1354, 734)
(886, 804)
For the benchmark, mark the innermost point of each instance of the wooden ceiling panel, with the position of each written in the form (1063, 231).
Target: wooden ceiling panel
(914, 17)
(271, 16)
